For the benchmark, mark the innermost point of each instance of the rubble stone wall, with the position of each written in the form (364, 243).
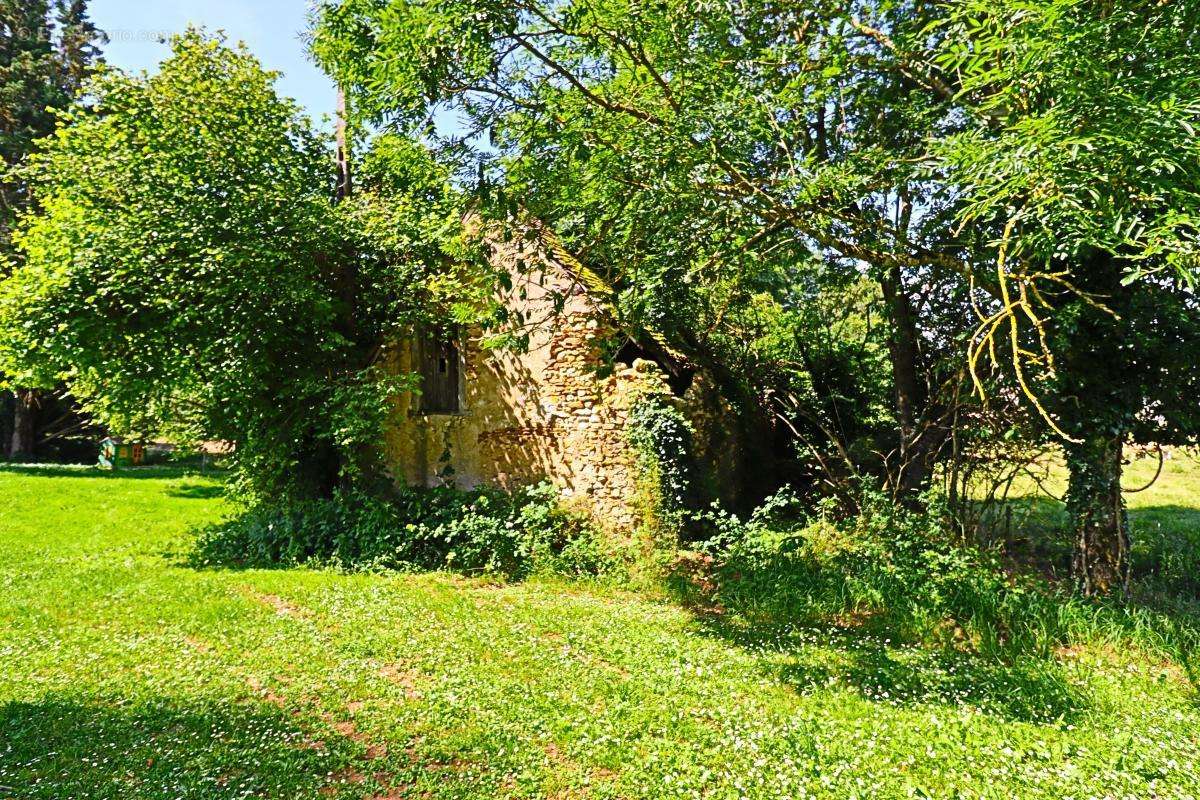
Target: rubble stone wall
(546, 412)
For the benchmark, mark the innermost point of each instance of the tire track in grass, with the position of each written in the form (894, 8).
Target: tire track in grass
(364, 768)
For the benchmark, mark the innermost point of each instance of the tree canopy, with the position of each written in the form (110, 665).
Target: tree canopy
(188, 270)
(1001, 171)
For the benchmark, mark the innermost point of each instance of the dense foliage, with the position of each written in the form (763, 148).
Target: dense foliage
(47, 50)
(981, 164)
(901, 574)
(1083, 133)
(922, 249)
(187, 270)
(1081, 161)
(661, 437)
(906, 240)
(725, 166)
(481, 531)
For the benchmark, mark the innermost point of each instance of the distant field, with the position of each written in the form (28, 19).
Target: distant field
(126, 674)
(1177, 486)
(1165, 518)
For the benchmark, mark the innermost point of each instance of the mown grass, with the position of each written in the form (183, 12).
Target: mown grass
(128, 674)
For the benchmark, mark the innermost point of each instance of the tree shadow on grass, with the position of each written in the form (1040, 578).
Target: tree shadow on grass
(197, 491)
(93, 472)
(58, 747)
(882, 669)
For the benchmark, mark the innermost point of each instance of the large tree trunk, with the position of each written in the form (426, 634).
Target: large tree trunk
(1100, 525)
(24, 424)
(913, 472)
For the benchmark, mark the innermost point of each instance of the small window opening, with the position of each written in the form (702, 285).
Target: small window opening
(439, 377)
(630, 352)
(679, 380)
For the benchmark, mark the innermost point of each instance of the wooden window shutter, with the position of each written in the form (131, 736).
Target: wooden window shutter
(439, 376)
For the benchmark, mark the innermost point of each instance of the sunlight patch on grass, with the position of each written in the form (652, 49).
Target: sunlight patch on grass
(129, 675)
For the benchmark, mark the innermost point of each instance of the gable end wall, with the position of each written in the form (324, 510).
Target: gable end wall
(540, 414)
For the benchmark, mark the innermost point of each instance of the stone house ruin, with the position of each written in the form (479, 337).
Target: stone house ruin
(557, 410)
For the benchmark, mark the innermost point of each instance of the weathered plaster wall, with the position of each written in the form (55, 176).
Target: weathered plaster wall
(540, 414)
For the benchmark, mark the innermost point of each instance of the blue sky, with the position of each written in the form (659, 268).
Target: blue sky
(270, 28)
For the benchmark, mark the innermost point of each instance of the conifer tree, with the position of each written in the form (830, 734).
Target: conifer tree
(46, 53)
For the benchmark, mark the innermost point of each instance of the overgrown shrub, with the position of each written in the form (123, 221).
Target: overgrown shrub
(479, 531)
(903, 573)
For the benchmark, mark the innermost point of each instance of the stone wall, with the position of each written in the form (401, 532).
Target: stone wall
(548, 412)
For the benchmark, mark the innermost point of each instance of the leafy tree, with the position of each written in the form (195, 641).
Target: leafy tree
(188, 270)
(45, 54)
(973, 157)
(1081, 160)
(703, 156)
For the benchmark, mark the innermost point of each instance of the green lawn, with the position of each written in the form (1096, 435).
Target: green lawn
(126, 674)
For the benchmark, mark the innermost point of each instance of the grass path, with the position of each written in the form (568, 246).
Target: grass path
(124, 674)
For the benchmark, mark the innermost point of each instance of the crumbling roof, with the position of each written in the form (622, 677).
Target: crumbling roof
(603, 294)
